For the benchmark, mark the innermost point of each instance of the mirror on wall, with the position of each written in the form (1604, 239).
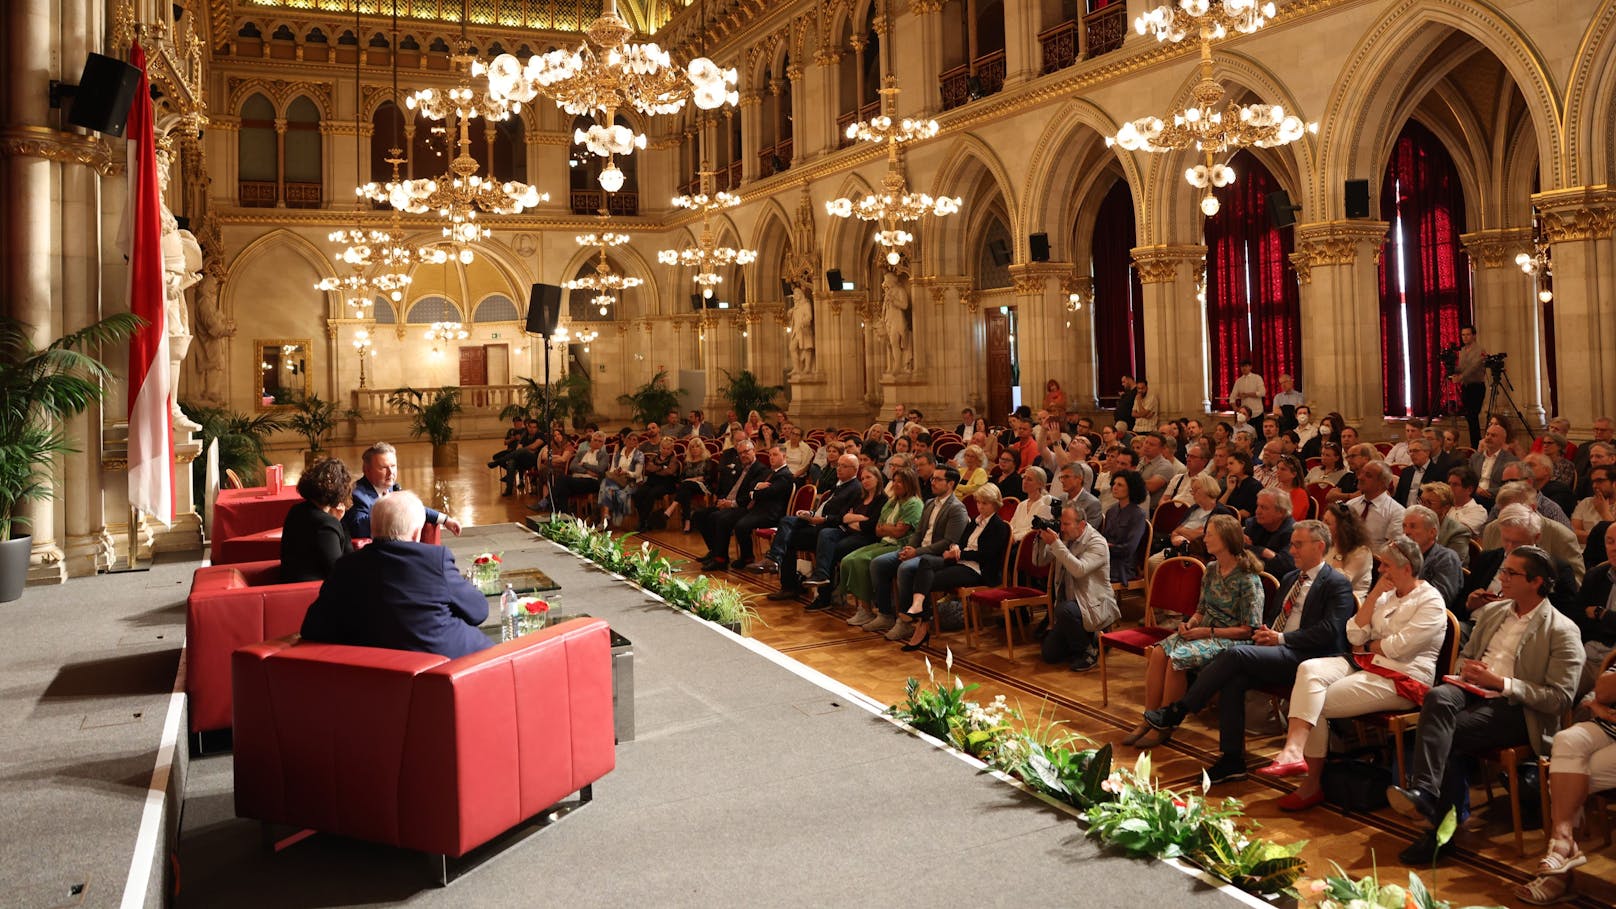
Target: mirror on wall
(283, 371)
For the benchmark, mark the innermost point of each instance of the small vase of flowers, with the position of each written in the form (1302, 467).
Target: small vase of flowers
(485, 568)
(532, 613)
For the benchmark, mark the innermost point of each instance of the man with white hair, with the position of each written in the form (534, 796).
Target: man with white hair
(1268, 532)
(1074, 491)
(1440, 568)
(1374, 505)
(1604, 433)
(1197, 460)
(1517, 525)
(1538, 470)
(1559, 541)
(398, 592)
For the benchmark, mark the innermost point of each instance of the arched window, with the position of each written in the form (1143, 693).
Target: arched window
(1253, 309)
(1424, 277)
(304, 178)
(993, 256)
(495, 308)
(776, 151)
(387, 133)
(382, 308)
(1116, 305)
(859, 76)
(583, 178)
(257, 164)
(427, 310)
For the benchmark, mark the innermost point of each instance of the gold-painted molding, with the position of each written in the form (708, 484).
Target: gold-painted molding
(1497, 248)
(1159, 264)
(1578, 213)
(1326, 243)
(62, 147)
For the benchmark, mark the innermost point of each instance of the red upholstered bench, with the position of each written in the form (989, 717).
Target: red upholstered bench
(231, 606)
(417, 751)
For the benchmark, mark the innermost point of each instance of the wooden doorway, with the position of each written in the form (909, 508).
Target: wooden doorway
(1001, 364)
(473, 366)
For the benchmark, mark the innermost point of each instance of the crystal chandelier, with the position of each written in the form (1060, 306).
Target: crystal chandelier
(444, 332)
(605, 74)
(1538, 263)
(707, 257)
(605, 283)
(586, 338)
(461, 192)
(1202, 125)
(895, 208)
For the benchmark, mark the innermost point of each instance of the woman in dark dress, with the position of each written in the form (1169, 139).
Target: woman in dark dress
(313, 538)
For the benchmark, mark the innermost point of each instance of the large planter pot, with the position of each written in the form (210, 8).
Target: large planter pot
(14, 566)
(446, 455)
(309, 457)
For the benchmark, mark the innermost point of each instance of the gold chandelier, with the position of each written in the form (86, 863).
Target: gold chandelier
(444, 332)
(605, 283)
(605, 74)
(707, 257)
(1203, 125)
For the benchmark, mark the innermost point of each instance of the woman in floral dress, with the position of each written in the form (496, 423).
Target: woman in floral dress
(1231, 605)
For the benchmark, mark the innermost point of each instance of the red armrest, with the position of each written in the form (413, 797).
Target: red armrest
(220, 619)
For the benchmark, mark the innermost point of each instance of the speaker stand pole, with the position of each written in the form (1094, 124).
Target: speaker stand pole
(548, 391)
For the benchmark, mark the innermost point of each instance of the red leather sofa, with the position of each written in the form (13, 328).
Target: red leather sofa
(417, 751)
(231, 606)
(266, 544)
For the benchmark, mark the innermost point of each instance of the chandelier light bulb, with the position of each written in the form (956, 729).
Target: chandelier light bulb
(611, 179)
(1545, 296)
(1209, 205)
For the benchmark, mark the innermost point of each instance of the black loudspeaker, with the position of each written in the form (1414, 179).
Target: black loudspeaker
(1357, 192)
(1000, 251)
(833, 279)
(695, 302)
(105, 91)
(1281, 212)
(1038, 244)
(544, 309)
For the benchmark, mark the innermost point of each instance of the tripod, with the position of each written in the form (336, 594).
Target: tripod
(1499, 385)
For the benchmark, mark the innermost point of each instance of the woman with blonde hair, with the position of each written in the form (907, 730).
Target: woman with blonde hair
(1231, 605)
(973, 476)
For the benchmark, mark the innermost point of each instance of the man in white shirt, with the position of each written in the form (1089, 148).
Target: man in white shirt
(1287, 396)
(1146, 407)
(1196, 462)
(1517, 677)
(1466, 510)
(1398, 456)
(1248, 389)
(1156, 468)
(1381, 514)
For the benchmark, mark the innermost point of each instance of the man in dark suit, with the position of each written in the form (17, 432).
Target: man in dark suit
(770, 498)
(734, 491)
(967, 424)
(1268, 532)
(398, 592)
(1490, 460)
(380, 479)
(1439, 566)
(800, 532)
(1444, 456)
(1417, 473)
(1315, 603)
(941, 523)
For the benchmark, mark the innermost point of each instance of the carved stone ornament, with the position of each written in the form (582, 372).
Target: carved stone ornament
(63, 148)
(1030, 285)
(1333, 243)
(1497, 248)
(1577, 214)
(922, 7)
(972, 300)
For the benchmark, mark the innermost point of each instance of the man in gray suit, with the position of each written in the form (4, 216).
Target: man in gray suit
(1085, 604)
(941, 523)
(1490, 460)
(1518, 675)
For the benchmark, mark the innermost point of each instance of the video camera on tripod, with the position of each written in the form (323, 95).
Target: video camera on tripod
(1495, 363)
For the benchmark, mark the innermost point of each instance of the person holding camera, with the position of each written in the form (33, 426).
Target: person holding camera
(1470, 374)
(1084, 603)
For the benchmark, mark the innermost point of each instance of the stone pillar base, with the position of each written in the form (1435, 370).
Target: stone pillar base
(45, 564)
(184, 536)
(90, 554)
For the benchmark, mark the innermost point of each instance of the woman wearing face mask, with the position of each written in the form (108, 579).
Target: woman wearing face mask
(1306, 429)
(1329, 431)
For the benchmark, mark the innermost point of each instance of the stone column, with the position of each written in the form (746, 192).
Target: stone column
(1023, 57)
(751, 132)
(840, 345)
(1335, 263)
(1175, 335)
(800, 130)
(280, 162)
(1079, 328)
(927, 31)
(820, 132)
(1509, 317)
(1044, 341)
(1579, 224)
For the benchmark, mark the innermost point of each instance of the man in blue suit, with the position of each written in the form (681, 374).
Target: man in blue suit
(1311, 621)
(381, 478)
(398, 592)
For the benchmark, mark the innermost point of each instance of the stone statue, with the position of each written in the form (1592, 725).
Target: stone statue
(213, 331)
(182, 265)
(895, 324)
(802, 332)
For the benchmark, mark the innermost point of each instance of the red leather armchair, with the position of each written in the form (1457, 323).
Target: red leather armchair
(417, 751)
(231, 606)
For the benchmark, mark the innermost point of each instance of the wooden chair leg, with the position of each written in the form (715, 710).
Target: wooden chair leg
(1512, 780)
(968, 606)
(1402, 759)
(1009, 636)
(1105, 683)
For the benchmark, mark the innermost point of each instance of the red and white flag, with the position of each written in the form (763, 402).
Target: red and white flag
(151, 436)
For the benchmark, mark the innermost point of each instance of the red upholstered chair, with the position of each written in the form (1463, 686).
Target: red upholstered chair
(1167, 518)
(231, 606)
(1320, 494)
(265, 545)
(1176, 587)
(801, 500)
(1007, 508)
(417, 751)
(1023, 585)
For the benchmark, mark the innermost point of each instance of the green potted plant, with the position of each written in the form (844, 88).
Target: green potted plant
(746, 394)
(728, 606)
(314, 419)
(39, 390)
(432, 415)
(651, 402)
(240, 439)
(573, 400)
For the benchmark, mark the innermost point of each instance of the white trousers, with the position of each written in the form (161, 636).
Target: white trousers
(1587, 750)
(1330, 688)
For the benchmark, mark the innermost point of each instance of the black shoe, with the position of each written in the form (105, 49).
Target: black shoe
(1226, 769)
(785, 593)
(1085, 661)
(492, 464)
(1413, 802)
(819, 605)
(1424, 851)
(714, 564)
(1167, 717)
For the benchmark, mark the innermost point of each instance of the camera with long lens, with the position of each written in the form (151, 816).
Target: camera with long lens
(1052, 522)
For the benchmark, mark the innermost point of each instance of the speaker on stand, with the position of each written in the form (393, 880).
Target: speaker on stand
(543, 312)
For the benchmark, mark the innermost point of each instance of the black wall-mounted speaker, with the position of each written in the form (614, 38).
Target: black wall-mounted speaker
(833, 279)
(695, 302)
(105, 90)
(1038, 245)
(1281, 212)
(1357, 198)
(544, 309)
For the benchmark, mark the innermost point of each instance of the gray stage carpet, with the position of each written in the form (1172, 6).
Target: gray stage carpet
(746, 785)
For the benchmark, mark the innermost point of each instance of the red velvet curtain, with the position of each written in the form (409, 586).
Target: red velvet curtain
(1119, 318)
(1253, 308)
(1424, 275)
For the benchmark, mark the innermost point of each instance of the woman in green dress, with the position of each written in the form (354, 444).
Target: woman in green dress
(1230, 607)
(898, 518)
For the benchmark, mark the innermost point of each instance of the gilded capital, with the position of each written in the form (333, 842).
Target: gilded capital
(1581, 213)
(1326, 243)
(1160, 264)
(1497, 248)
(63, 148)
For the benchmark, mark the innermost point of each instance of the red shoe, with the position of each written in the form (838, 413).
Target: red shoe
(1293, 802)
(1276, 769)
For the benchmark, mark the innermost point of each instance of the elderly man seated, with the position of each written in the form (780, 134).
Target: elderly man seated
(1438, 496)
(1439, 567)
(398, 592)
(1374, 505)
(1518, 526)
(381, 478)
(1557, 539)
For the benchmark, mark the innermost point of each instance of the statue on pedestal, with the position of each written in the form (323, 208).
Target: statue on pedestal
(182, 268)
(213, 332)
(895, 325)
(802, 332)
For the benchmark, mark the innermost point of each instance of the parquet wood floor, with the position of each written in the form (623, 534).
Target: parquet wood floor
(1482, 871)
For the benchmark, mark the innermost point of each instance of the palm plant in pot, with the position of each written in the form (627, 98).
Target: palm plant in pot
(651, 401)
(746, 394)
(314, 419)
(40, 389)
(572, 400)
(432, 413)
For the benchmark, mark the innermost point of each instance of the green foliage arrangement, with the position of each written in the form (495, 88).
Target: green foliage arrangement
(571, 398)
(746, 394)
(1338, 891)
(431, 411)
(240, 438)
(314, 419)
(648, 567)
(651, 402)
(39, 390)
